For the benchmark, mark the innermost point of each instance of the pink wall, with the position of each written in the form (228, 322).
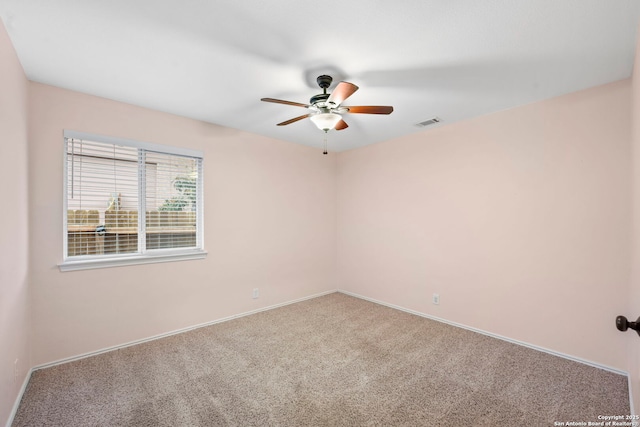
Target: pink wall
(633, 310)
(269, 223)
(14, 278)
(519, 220)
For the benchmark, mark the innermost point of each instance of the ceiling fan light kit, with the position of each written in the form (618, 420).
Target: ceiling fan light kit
(326, 121)
(326, 109)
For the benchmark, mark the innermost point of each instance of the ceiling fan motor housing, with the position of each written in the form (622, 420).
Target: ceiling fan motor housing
(321, 97)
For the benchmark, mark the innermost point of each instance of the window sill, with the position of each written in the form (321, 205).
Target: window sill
(88, 264)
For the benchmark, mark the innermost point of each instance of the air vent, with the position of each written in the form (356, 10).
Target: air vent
(431, 121)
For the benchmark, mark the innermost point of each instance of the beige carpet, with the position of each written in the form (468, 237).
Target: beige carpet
(330, 361)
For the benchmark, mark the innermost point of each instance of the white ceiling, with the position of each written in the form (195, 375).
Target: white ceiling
(214, 60)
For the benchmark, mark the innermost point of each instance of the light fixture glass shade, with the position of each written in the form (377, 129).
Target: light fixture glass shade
(326, 121)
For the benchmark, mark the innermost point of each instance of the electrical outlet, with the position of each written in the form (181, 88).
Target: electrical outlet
(436, 299)
(15, 371)
(256, 293)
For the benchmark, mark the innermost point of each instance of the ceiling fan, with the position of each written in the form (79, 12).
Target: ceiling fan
(326, 109)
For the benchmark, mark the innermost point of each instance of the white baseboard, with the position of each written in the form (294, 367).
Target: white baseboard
(143, 340)
(16, 404)
(500, 337)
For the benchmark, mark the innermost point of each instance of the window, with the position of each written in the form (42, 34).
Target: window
(128, 202)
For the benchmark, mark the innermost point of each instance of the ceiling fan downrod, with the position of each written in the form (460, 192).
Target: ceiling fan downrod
(324, 82)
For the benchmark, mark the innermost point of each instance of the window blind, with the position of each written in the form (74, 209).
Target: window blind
(171, 201)
(124, 199)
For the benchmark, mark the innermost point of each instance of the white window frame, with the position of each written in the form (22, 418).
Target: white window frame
(85, 262)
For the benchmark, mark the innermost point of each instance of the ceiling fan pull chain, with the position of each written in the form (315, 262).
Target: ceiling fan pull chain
(325, 142)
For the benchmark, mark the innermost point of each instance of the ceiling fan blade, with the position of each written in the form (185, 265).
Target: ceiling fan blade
(341, 125)
(295, 119)
(370, 109)
(342, 92)
(280, 101)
